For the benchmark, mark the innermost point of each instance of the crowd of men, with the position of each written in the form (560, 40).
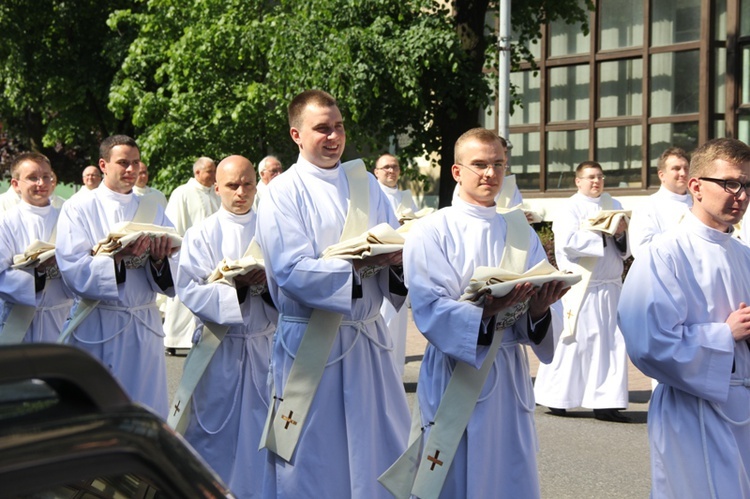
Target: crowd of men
(305, 353)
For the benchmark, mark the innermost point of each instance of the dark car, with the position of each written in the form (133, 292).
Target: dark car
(68, 430)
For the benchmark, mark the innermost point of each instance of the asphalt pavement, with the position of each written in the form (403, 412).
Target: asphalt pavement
(579, 456)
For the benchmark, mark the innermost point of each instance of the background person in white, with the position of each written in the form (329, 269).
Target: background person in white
(230, 403)
(440, 256)
(141, 187)
(124, 331)
(268, 169)
(189, 204)
(664, 209)
(359, 419)
(33, 218)
(589, 370)
(387, 171)
(684, 315)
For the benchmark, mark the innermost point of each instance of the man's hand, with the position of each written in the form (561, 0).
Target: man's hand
(621, 227)
(379, 260)
(161, 248)
(520, 293)
(49, 263)
(545, 296)
(136, 248)
(739, 322)
(252, 278)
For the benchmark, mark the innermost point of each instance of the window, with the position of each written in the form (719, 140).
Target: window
(528, 94)
(620, 84)
(524, 159)
(621, 24)
(618, 150)
(569, 93)
(567, 39)
(674, 83)
(675, 21)
(662, 136)
(565, 151)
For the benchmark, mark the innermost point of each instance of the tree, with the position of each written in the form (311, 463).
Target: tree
(57, 61)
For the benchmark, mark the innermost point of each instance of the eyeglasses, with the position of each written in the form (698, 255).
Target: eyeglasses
(389, 167)
(273, 171)
(484, 168)
(45, 179)
(592, 178)
(733, 187)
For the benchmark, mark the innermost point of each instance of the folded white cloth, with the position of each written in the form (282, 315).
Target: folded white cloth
(37, 252)
(409, 214)
(125, 233)
(607, 221)
(379, 240)
(499, 282)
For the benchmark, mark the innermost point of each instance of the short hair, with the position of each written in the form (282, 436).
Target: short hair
(301, 101)
(483, 135)
(732, 151)
(105, 148)
(588, 164)
(503, 142)
(201, 163)
(34, 157)
(262, 164)
(386, 155)
(661, 164)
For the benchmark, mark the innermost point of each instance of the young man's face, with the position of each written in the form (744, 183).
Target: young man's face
(674, 176)
(712, 204)
(321, 137)
(122, 168)
(235, 185)
(590, 182)
(34, 183)
(480, 171)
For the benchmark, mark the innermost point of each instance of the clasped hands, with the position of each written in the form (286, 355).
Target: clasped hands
(383, 260)
(540, 299)
(160, 248)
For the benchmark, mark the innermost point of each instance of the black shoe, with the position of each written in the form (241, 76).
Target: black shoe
(171, 352)
(557, 412)
(611, 415)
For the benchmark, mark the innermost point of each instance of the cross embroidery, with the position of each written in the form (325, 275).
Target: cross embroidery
(288, 420)
(177, 407)
(434, 460)
(570, 314)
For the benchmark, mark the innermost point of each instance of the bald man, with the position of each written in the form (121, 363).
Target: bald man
(230, 399)
(188, 205)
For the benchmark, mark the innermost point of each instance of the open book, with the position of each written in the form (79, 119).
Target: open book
(499, 282)
(125, 233)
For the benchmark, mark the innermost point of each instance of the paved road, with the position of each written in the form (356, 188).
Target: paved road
(579, 457)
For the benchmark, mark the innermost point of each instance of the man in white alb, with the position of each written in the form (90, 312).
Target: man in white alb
(40, 287)
(124, 329)
(664, 209)
(357, 421)
(189, 204)
(387, 170)
(141, 187)
(686, 321)
(441, 255)
(230, 403)
(590, 365)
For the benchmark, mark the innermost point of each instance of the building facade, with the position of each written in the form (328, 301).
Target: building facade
(650, 74)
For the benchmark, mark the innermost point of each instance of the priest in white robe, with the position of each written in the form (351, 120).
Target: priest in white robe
(590, 368)
(32, 219)
(387, 170)
(124, 330)
(230, 403)
(497, 453)
(141, 187)
(358, 422)
(664, 209)
(686, 322)
(188, 205)
(8, 200)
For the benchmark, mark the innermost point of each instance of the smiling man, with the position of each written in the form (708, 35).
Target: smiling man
(664, 209)
(589, 369)
(357, 416)
(124, 330)
(32, 219)
(684, 315)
